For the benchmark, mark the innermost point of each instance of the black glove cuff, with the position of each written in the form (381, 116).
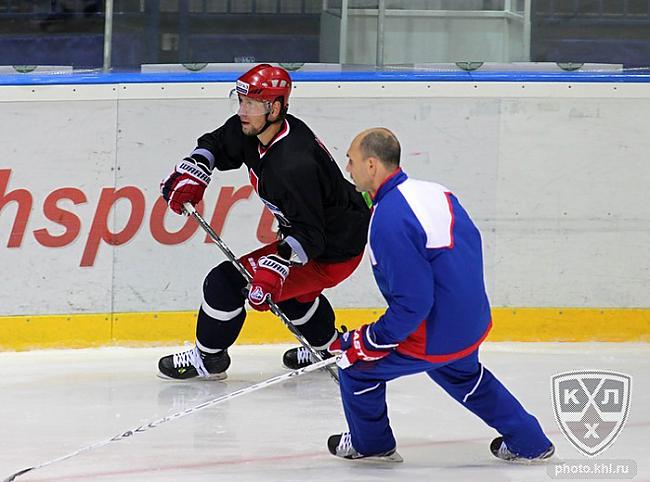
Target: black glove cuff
(285, 251)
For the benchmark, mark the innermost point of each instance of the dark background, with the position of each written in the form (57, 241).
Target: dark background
(70, 32)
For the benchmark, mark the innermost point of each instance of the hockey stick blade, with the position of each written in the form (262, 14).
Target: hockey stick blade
(143, 428)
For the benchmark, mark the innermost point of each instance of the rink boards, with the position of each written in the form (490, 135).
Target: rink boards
(554, 174)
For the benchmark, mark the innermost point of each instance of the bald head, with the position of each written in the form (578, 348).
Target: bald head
(380, 143)
(373, 156)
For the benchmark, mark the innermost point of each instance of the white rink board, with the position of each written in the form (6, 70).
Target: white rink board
(554, 177)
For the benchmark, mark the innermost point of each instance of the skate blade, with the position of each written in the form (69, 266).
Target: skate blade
(394, 458)
(544, 459)
(212, 377)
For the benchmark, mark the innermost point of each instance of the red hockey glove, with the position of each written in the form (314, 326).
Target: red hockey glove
(359, 345)
(186, 184)
(267, 281)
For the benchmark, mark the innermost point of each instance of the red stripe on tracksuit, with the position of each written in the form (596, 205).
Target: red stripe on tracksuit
(415, 346)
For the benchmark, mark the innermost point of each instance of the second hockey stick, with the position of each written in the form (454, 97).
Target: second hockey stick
(248, 277)
(143, 428)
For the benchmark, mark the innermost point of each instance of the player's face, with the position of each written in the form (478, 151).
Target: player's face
(358, 168)
(252, 113)
(252, 125)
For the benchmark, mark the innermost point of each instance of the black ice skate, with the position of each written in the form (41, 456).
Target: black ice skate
(341, 446)
(300, 357)
(500, 450)
(194, 363)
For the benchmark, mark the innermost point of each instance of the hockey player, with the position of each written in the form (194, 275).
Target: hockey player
(322, 222)
(426, 258)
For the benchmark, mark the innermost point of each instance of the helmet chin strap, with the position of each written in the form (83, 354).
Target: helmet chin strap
(268, 124)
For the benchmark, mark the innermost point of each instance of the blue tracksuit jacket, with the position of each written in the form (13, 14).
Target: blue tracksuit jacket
(427, 260)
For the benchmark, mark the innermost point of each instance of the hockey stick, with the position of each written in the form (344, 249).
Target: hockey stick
(248, 277)
(143, 428)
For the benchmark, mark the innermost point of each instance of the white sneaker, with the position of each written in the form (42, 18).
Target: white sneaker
(341, 446)
(501, 451)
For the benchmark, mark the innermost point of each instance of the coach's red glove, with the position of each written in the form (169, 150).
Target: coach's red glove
(186, 183)
(359, 345)
(267, 281)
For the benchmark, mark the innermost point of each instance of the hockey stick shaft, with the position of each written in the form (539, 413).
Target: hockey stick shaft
(143, 428)
(248, 277)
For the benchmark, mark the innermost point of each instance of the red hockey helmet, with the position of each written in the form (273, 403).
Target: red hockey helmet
(265, 82)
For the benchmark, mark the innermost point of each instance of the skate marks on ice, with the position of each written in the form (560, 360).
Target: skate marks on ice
(55, 402)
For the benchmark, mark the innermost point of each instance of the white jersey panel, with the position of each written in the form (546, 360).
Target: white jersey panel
(431, 207)
(373, 260)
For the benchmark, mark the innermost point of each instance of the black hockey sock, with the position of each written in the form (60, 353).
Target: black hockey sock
(222, 312)
(213, 334)
(315, 320)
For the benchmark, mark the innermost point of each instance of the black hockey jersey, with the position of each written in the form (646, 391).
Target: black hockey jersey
(301, 184)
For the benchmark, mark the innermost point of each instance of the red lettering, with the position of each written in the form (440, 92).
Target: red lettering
(69, 221)
(24, 200)
(265, 232)
(157, 224)
(228, 197)
(99, 230)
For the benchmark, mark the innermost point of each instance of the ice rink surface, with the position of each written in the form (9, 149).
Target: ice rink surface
(56, 402)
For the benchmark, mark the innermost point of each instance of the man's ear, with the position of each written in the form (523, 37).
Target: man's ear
(276, 108)
(372, 163)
